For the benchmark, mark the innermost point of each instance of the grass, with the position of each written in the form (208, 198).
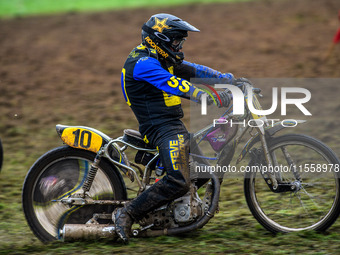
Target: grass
(13, 8)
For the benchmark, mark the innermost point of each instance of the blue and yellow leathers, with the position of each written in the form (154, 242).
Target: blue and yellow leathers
(153, 89)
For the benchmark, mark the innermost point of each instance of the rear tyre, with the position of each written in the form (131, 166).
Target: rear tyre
(57, 174)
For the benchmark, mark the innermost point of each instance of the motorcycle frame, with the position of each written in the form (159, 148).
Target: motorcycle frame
(260, 134)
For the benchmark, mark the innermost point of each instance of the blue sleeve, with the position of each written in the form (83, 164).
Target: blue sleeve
(150, 70)
(200, 71)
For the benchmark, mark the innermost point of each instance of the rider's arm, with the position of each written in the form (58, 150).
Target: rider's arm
(150, 70)
(189, 70)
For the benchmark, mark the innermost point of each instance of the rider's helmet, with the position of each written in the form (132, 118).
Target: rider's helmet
(166, 33)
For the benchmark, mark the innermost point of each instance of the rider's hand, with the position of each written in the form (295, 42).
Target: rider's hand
(225, 99)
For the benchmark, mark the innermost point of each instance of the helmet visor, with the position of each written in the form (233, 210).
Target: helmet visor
(177, 43)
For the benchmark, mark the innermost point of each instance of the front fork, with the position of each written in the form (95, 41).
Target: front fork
(272, 178)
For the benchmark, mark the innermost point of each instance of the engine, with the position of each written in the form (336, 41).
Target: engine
(180, 212)
(186, 209)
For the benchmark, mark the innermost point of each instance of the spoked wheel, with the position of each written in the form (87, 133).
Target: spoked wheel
(58, 174)
(309, 170)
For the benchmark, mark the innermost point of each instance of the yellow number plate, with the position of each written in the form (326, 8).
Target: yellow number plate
(82, 139)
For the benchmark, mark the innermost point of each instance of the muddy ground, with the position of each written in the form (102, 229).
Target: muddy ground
(66, 68)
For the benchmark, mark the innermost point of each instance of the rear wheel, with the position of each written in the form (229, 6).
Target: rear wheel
(58, 174)
(310, 170)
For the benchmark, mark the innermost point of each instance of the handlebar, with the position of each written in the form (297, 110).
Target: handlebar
(243, 87)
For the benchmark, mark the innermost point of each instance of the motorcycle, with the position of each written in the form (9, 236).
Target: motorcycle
(291, 182)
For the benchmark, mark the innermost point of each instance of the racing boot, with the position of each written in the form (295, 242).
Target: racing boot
(123, 222)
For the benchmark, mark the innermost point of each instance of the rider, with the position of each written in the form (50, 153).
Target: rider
(153, 79)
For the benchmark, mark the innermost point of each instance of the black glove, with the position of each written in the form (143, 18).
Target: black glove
(225, 99)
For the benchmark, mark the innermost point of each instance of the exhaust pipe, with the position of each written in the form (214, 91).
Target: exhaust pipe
(72, 232)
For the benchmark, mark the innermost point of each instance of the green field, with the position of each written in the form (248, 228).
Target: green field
(12, 8)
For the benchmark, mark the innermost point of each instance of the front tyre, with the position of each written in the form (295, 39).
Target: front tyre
(58, 174)
(311, 171)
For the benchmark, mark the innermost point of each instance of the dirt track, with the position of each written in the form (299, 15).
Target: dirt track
(66, 68)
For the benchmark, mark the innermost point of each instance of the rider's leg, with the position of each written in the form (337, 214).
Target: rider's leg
(174, 153)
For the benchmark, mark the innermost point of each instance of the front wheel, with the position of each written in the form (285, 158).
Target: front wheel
(58, 174)
(308, 175)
